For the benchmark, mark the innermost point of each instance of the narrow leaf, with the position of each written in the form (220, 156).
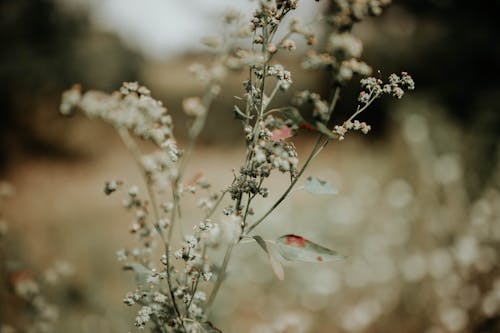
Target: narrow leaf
(297, 248)
(261, 242)
(324, 130)
(317, 186)
(293, 114)
(238, 114)
(141, 272)
(275, 264)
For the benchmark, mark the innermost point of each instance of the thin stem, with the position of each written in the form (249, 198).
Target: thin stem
(314, 152)
(321, 147)
(292, 184)
(217, 203)
(132, 146)
(250, 198)
(333, 103)
(220, 277)
(167, 255)
(359, 110)
(173, 215)
(268, 35)
(271, 97)
(136, 152)
(197, 281)
(197, 127)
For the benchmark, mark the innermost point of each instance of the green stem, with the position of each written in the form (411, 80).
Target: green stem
(217, 203)
(268, 36)
(314, 152)
(250, 198)
(195, 285)
(359, 110)
(292, 184)
(197, 127)
(271, 97)
(220, 278)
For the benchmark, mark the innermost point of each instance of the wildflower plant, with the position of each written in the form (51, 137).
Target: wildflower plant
(176, 291)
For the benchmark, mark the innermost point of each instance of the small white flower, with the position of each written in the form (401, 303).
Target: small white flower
(178, 254)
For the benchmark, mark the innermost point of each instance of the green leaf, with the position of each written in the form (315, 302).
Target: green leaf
(273, 260)
(293, 114)
(141, 272)
(261, 242)
(238, 114)
(323, 129)
(317, 186)
(297, 248)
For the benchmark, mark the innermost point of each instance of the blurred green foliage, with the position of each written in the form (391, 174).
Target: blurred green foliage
(45, 50)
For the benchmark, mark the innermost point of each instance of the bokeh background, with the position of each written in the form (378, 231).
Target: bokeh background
(418, 212)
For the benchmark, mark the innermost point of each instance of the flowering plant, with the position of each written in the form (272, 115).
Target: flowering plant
(176, 293)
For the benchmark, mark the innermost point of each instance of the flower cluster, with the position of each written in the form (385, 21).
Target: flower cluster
(343, 66)
(355, 125)
(141, 227)
(341, 58)
(374, 87)
(343, 50)
(131, 108)
(350, 67)
(321, 109)
(283, 76)
(344, 45)
(161, 300)
(315, 61)
(348, 12)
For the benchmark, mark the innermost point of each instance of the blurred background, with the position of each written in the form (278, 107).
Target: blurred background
(418, 212)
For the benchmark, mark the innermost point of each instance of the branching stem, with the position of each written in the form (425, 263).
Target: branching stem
(130, 144)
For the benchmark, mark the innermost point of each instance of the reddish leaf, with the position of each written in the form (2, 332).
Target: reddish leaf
(281, 133)
(308, 126)
(295, 240)
(298, 248)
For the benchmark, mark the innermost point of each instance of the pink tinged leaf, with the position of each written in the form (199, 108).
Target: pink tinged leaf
(295, 240)
(197, 176)
(309, 127)
(298, 248)
(281, 133)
